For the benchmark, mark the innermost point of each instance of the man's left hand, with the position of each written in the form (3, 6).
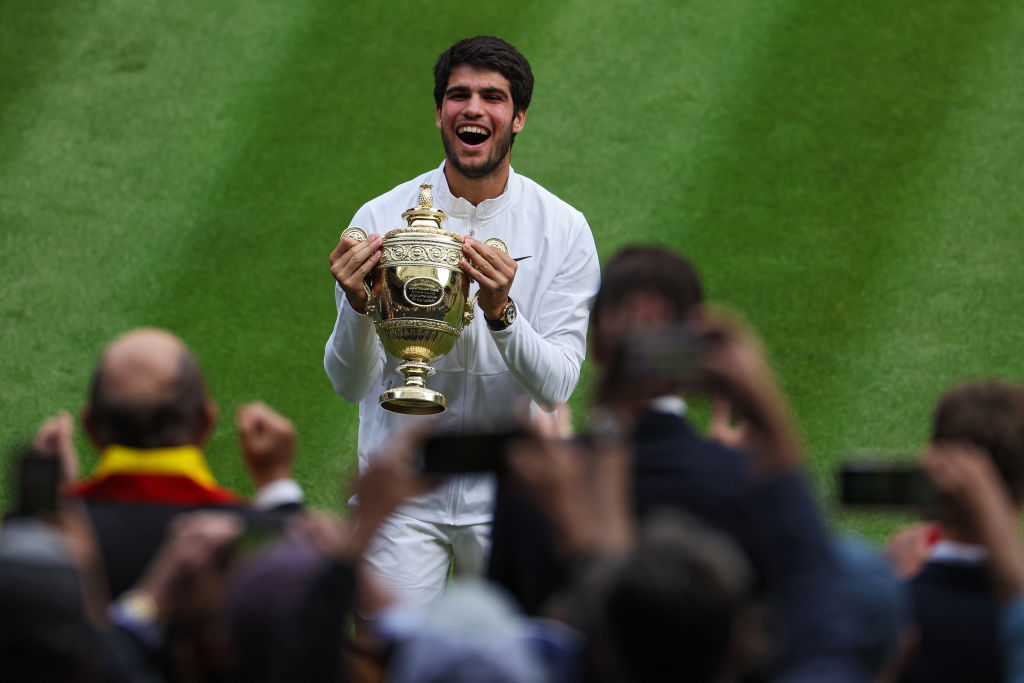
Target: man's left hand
(493, 270)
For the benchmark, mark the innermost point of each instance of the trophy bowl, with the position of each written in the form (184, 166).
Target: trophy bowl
(419, 300)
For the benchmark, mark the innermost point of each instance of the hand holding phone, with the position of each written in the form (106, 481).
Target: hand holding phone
(37, 484)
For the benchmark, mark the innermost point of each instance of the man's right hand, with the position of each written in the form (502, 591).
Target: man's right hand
(268, 443)
(55, 437)
(351, 262)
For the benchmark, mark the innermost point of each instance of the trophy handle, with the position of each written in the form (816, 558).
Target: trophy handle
(371, 301)
(354, 233)
(359, 235)
(467, 313)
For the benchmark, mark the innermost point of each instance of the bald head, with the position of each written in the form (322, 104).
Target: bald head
(147, 392)
(142, 366)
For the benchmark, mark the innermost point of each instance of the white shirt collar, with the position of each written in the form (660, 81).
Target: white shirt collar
(671, 405)
(461, 208)
(953, 551)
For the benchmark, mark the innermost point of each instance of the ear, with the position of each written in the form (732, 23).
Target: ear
(210, 413)
(89, 425)
(437, 116)
(519, 121)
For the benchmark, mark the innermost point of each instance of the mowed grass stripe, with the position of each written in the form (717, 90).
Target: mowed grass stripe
(335, 123)
(951, 310)
(191, 167)
(800, 208)
(110, 153)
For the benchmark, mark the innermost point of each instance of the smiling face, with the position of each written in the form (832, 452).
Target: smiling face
(477, 121)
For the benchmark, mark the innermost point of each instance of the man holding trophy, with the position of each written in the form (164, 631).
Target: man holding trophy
(406, 342)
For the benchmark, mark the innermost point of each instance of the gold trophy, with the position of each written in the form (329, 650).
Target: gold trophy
(419, 300)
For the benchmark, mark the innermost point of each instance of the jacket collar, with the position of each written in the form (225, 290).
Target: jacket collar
(960, 553)
(670, 404)
(458, 207)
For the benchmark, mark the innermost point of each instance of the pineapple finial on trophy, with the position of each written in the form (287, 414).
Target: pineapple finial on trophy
(424, 215)
(426, 197)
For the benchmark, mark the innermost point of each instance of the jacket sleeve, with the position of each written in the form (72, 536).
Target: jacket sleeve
(545, 357)
(353, 356)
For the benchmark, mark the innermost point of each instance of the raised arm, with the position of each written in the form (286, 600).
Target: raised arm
(353, 359)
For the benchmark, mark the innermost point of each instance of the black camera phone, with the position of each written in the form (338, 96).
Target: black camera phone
(881, 484)
(659, 359)
(465, 453)
(38, 483)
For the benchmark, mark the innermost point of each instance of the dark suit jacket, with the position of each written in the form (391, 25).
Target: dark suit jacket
(674, 468)
(774, 520)
(677, 469)
(957, 610)
(130, 534)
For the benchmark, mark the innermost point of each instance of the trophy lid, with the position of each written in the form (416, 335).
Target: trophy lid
(425, 215)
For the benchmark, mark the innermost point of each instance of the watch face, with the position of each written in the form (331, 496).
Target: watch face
(510, 313)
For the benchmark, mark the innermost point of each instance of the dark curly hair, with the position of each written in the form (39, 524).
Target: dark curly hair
(487, 52)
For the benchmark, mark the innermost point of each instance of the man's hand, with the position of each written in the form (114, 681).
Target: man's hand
(493, 270)
(737, 371)
(328, 534)
(351, 261)
(389, 479)
(55, 437)
(188, 551)
(267, 441)
(909, 548)
(967, 475)
(724, 429)
(586, 495)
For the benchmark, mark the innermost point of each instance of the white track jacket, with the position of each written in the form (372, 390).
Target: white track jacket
(488, 376)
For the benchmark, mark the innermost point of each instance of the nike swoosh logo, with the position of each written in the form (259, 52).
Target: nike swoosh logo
(522, 258)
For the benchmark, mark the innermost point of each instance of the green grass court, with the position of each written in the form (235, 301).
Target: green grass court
(847, 175)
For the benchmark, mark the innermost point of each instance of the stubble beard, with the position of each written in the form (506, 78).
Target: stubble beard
(480, 169)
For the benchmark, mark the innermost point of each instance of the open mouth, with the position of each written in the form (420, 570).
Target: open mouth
(472, 135)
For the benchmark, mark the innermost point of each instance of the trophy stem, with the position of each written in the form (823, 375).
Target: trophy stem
(414, 373)
(414, 398)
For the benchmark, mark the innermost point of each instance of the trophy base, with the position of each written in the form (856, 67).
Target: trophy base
(413, 401)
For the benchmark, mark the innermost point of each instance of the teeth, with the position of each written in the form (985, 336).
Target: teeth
(472, 129)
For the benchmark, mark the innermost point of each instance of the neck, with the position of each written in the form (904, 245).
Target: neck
(476, 190)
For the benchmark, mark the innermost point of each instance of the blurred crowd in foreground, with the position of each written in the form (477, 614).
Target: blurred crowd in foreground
(638, 550)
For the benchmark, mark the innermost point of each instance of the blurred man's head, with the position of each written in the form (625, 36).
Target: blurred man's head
(669, 610)
(148, 392)
(989, 415)
(642, 285)
(44, 633)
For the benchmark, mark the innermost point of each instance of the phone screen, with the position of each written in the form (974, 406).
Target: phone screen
(465, 453)
(38, 481)
(892, 485)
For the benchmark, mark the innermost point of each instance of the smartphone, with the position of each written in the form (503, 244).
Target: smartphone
(38, 483)
(659, 359)
(870, 484)
(465, 453)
